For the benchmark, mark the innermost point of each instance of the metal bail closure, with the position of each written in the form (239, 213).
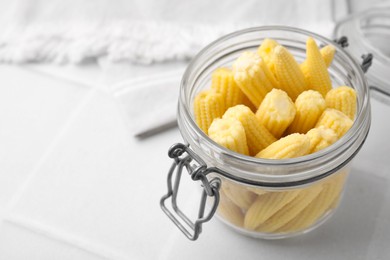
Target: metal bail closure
(183, 156)
(367, 58)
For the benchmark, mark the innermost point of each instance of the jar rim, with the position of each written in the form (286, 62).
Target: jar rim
(359, 123)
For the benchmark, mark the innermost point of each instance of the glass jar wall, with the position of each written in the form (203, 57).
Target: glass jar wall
(268, 198)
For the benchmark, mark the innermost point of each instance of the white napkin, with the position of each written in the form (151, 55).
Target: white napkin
(149, 104)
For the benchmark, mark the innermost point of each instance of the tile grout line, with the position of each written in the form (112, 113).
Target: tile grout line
(19, 192)
(64, 237)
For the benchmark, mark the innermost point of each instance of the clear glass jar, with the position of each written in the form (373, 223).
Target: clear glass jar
(267, 198)
(369, 31)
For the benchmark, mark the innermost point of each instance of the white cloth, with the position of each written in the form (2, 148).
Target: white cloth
(141, 31)
(150, 103)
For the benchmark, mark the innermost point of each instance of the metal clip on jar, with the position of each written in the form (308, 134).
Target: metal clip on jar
(263, 198)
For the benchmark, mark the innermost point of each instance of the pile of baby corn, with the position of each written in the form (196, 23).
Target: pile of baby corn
(270, 106)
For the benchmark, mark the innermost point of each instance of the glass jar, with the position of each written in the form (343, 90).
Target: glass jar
(263, 198)
(369, 31)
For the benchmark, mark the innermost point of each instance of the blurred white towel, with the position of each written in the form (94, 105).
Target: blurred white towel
(141, 31)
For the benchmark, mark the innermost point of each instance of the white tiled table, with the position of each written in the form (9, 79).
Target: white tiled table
(74, 184)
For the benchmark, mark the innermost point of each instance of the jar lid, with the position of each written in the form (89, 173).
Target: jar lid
(369, 32)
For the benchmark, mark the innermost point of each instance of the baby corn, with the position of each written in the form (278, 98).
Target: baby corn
(327, 54)
(318, 207)
(309, 105)
(252, 78)
(258, 136)
(265, 51)
(229, 133)
(238, 194)
(288, 73)
(321, 138)
(343, 99)
(276, 112)
(291, 146)
(230, 211)
(335, 120)
(208, 105)
(265, 206)
(291, 210)
(315, 69)
(222, 81)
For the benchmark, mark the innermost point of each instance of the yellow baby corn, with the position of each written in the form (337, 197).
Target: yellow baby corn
(292, 209)
(318, 207)
(240, 196)
(335, 120)
(265, 206)
(343, 99)
(327, 54)
(288, 73)
(258, 137)
(229, 133)
(265, 51)
(229, 211)
(315, 69)
(309, 105)
(222, 81)
(321, 138)
(250, 76)
(291, 146)
(276, 112)
(208, 105)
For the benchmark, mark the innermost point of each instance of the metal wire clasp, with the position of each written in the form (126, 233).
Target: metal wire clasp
(183, 156)
(367, 58)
